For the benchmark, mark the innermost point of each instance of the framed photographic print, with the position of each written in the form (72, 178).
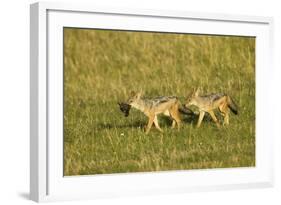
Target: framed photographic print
(129, 102)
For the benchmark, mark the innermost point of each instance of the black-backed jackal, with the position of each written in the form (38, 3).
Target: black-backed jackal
(208, 103)
(151, 107)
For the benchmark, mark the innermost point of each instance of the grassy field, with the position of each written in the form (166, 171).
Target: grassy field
(102, 67)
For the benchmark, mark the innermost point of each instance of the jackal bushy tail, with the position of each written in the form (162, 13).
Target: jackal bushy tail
(232, 106)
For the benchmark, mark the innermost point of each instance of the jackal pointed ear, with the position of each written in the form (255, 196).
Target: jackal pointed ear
(190, 94)
(193, 92)
(196, 93)
(139, 95)
(133, 93)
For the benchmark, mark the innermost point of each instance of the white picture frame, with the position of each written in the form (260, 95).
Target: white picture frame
(47, 182)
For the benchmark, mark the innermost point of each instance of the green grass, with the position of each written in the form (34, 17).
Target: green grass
(103, 67)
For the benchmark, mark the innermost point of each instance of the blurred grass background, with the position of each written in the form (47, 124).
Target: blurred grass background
(102, 67)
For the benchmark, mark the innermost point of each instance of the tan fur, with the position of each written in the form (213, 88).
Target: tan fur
(209, 103)
(169, 106)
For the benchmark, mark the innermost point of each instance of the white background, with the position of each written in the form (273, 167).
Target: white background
(14, 101)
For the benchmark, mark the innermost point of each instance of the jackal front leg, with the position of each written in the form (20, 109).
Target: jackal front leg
(214, 118)
(226, 118)
(201, 116)
(156, 124)
(150, 122)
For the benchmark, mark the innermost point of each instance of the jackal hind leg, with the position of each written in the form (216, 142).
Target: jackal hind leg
(150, 122)
(178, 120)
(176, 117)
(226, 118)
(225, 113)
(156, 124)
(214, 118)
(201, 116)
(174, 124)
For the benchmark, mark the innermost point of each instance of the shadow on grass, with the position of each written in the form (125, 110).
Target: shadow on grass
(135, 124)
(207, 118)
(163, 122)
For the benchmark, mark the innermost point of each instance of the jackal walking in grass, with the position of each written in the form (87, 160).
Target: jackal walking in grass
(151, 107)
(211, 102)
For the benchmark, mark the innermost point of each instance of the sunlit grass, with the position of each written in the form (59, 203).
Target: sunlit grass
(103, 67)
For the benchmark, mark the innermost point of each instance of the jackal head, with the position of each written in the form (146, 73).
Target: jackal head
(190, 99)
(134, 98)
